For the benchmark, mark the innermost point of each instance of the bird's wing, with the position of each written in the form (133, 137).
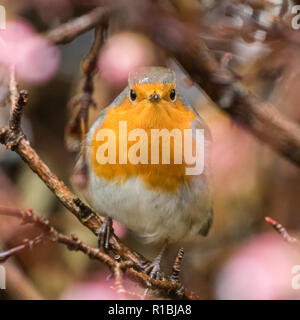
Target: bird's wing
(118, 100)
(83, 155)
(199, 123)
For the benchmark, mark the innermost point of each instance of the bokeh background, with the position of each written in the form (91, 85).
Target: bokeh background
(242, 257)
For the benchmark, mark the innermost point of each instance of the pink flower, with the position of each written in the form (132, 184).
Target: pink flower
(35, 59)
(233, 158)
(232, 146)
(123, 53)
(99, 288)
(91, 290)
(260, 269)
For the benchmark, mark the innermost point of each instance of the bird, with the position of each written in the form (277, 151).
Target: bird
(159, 201)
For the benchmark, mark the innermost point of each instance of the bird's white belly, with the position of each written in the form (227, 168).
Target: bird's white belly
(155, 215)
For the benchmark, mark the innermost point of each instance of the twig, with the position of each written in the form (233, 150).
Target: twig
(118, 274)
(282, 231)
(77, 127)
(18, 101)
(72, 242)
(26, 244)
(69, 31)
(164, 286)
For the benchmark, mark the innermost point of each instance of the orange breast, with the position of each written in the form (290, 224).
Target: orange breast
(146, 116)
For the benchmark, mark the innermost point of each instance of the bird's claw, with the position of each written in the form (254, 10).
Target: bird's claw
(104, 234)
(153, 269)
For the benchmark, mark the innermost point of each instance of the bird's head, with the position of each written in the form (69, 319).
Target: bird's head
(152, 86)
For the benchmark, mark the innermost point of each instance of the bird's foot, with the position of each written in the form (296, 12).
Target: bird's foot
(153, 268)
(104, 234)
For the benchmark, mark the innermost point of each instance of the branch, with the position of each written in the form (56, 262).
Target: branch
(221, 85)
(166, 287)
(70, 30)
(282, 231)
(26, 244)
(77, 127)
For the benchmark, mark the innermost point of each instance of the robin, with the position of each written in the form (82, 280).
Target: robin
(155, 192)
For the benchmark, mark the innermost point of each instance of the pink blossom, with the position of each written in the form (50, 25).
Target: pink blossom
(233, 157)
(123, 53)
(260, 269)
(232, 146)
(35, 59)
(99, 288)
(91, 290)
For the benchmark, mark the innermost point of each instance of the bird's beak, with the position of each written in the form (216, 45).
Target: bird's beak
(154, 97)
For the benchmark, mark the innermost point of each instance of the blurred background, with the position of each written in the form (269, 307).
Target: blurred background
(242, 257)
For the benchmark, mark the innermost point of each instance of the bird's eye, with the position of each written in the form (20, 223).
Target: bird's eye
(172, 94)
(132, 95)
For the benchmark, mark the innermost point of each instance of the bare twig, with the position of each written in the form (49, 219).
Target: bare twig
(26, 244)
(77, 127)
(282, 231)
(118, 274)
(73, 243)
(69, 31)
